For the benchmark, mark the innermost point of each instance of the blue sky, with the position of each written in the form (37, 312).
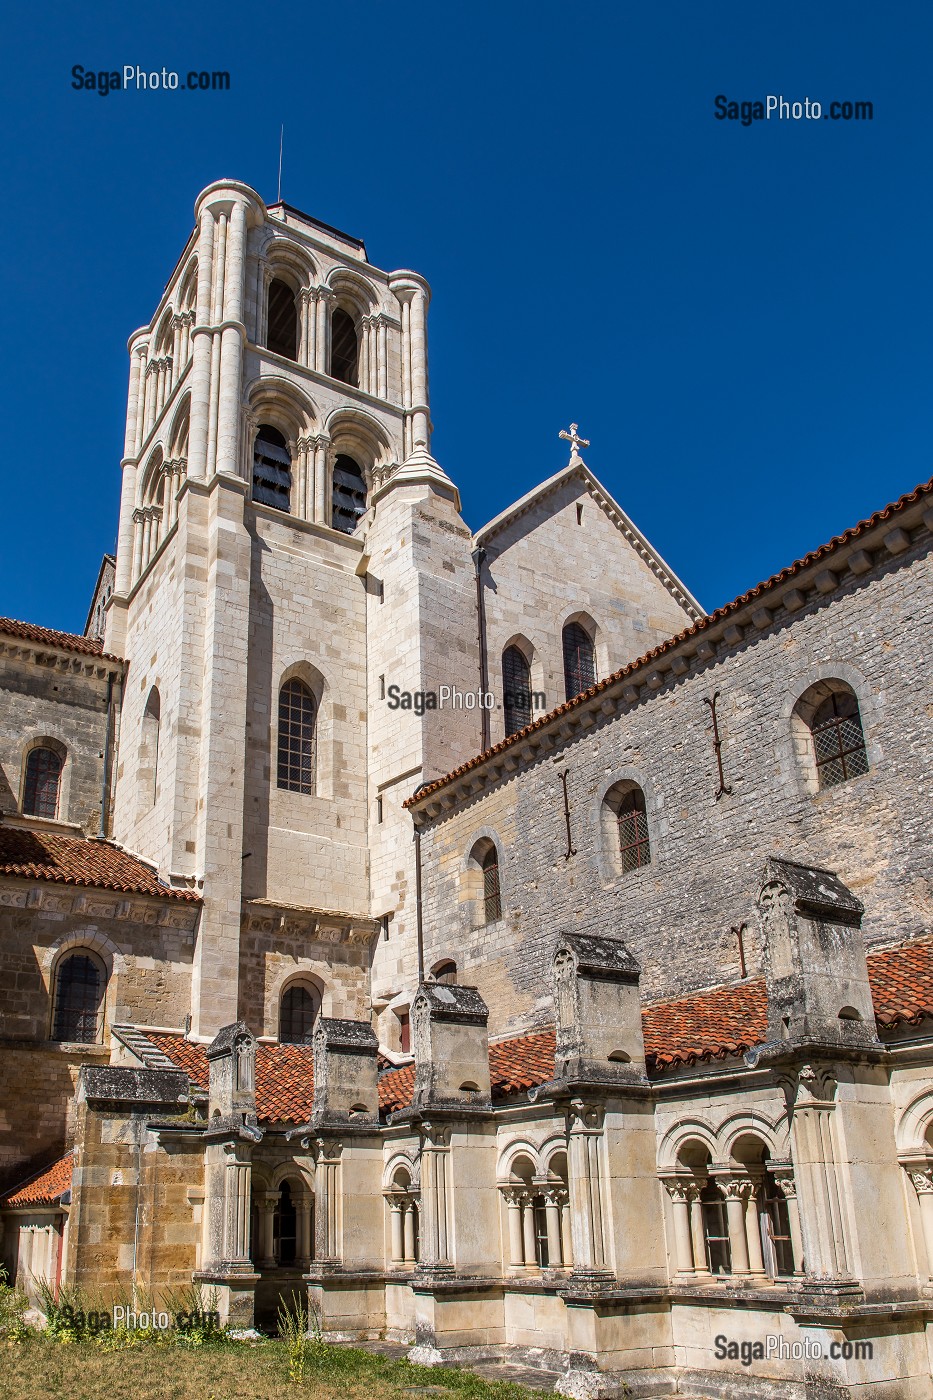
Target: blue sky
(738, 317)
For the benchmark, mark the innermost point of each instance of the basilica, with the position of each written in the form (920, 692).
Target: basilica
(588, 1026)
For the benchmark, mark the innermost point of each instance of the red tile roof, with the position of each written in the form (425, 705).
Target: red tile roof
(45, 1188)
(711, 1025)
(65, 641)
(73, 860)
(901, 981)
(815, 557)
(284, 1075)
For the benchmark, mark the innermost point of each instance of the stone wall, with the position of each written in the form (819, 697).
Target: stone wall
(677, 913)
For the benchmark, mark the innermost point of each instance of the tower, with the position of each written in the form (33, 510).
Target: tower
(285, 543)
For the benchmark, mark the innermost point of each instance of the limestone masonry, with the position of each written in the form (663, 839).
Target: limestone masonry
(464, 930)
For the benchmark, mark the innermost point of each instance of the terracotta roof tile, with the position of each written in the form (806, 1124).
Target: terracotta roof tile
(709, 1025)
(742, 601)
(901, 981)
(396, 1087)
(73, 860)
(284, 1075)
(65, 641)
(521, 1063)
(45, 1188)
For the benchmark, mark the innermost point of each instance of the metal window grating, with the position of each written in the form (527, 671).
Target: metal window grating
(296, 737)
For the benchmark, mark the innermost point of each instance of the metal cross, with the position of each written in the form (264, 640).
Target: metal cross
(575, 442)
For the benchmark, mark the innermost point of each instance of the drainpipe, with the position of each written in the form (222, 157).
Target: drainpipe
(479, 559)
(105, 778)
(418, 919)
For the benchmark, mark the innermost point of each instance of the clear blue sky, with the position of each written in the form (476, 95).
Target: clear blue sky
(740, 318)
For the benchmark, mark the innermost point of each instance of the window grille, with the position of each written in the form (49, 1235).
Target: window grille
(492, 899)
(78, 1000)
(516, 690)
(838, 740)
(349, 497)
(296, 737)
(282, 324)
(43, 779)
(272, 470)
(579, 660)
(297, 1016)
(344, 348)
(634, 845)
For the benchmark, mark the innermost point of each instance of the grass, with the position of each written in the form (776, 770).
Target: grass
(44, 1368)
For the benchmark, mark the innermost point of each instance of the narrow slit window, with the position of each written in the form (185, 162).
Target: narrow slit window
(516, 690)
(579, 660)
(634, 845)
(492, 893)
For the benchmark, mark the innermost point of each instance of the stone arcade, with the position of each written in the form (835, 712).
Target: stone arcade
(594, 1030)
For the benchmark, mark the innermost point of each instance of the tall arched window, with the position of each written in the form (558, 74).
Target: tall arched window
(492, 894)
(349, 496)
(282, 322)
(297, 715)
(579, 660)
(297, 1014)
(149, 747)
(516, 690)
(272, 469)
(344, 348)
(42, 782)
(79, 999)
(838, 739)
(634, 846)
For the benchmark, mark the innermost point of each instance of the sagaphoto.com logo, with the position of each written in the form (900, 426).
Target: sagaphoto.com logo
(777, 107)
(132, 78)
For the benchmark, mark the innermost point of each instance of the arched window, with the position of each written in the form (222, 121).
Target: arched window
(349, 496)
(272, 469)
(149, 747)
(296, 737)
(79, 999)
(838, 740)
(297, 1015)
(344, 348)
(516, 690)
(579, 660)
(445, 971)
(634, 846)
(492, 895)
(282, 322)
(42, 782)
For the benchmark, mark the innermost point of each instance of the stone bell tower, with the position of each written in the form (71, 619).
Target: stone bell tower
(278, 409)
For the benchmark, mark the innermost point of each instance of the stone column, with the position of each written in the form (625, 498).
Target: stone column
(680, 1200)
(585, 1132)
(756, 1263)
(303, 1221)
(325, 299)
(138, 517)
(267, 1202)
(408, 1229)
(528, 1230)
(784, 1177)
(383, 385)
(814, 1158)
(397, 1224)
(201, 351)
(922, 1180)
(697, 1232)
(736, 1192)
(231, 349)
(566, 1234)
(237, 1172)
(319, 446)
(513, 1200)
(328, 1212)
(552, 1204)
(435, 1151)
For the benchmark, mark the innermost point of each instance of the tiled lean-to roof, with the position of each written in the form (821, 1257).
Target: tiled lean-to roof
(44, 1188)
(75, 860)
(46, 636)
(822, 555)
(717, 1024)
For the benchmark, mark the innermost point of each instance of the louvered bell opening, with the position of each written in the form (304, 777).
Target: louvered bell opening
(349, 498)
(272, 470)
